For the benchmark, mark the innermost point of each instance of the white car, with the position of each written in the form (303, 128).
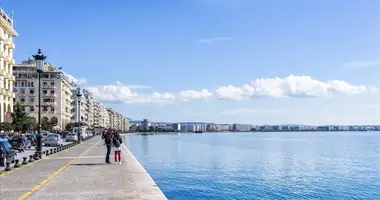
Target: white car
(53, 140)
(71, 137)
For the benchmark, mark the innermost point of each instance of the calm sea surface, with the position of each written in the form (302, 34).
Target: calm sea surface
(320, 165)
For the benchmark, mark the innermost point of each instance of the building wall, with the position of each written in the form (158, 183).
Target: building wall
(7, 46)
(55, 92)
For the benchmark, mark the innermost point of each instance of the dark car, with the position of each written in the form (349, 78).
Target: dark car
(6, 152)
(17, 142)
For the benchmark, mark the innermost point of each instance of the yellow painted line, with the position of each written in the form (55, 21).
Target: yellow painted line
(42, 183)
(2, 174)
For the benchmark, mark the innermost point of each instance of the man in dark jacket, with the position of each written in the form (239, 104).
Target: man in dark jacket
(108, 141)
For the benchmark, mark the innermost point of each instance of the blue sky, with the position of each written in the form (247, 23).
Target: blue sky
(153, 58)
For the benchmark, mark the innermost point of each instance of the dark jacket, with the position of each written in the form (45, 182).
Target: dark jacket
(107, 138)
(117, 141)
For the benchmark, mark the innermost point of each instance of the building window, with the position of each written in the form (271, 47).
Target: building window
(22, 84)
(22, 91)
(52, 83)
(31, 108)
(28, 84)
(45, 91)
(31, 91)
(32, 84)
(14, 99)
(31, 100)
(51, 91)
(46, 76)
(52, 109)
(45, 83)
(22, 100)
(44, 108)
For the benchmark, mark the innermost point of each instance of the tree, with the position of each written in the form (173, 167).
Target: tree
(19, 117)
(29, 124)
(46, 124)
(6, 126)
(69, 127)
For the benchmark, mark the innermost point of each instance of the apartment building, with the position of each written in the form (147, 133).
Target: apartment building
(83, 107)
(89, 101)
(56, 92)
(101, 117)
(7, 32)
(117, 121)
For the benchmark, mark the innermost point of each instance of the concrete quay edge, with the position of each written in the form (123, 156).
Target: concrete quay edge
(145, 185)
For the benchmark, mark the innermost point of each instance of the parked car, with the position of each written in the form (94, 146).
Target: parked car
(71, 137)
(54, 140)
(32, 138)
(17, 142)
(44, 135)
(6, 152)
(4, 136)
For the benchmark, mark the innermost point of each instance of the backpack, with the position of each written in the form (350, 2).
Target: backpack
(117, 141)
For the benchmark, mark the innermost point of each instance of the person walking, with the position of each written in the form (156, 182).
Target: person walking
(108, 141)
(117, 141)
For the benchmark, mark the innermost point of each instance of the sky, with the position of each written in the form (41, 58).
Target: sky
(221, 61)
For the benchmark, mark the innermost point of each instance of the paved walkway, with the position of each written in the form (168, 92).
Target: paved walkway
(28, 152)
(81, 173)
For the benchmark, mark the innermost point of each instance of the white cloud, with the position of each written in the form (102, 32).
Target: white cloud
(215, 39)
(80, 82)
(239, 111)
(291, 86)
(363, 64)
(195, 95)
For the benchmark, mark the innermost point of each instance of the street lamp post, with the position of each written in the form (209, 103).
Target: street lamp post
(78, 114)
(39, 58)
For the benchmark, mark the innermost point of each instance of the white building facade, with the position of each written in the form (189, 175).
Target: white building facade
(56, 93)
(7, 32)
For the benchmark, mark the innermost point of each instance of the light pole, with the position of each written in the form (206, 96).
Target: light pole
(39, 58)
(78, 118)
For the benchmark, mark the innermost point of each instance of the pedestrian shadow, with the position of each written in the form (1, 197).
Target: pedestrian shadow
(88, 164)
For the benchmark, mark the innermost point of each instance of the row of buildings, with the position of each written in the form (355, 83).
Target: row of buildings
(19, 84)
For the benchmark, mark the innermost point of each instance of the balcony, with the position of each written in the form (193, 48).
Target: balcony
(48, 103)
(2, 36)
(9, 43)
(8, 76)
(49, 86)
(10, 94)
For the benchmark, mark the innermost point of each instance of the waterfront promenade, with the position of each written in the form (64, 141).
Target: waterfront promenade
(80, 173)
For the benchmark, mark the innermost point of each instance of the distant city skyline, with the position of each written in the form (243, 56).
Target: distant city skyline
(261, 62)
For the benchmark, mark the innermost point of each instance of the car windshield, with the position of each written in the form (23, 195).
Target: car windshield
(53, 136)
(5, 145)
(16, 137)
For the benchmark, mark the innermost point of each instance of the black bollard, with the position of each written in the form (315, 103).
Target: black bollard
(40, 155)
(24, 162)
(51, 151)
(55, 150)
(47, 153)
(31, 158)
(36, 156)
(17, 164)
(8, 166)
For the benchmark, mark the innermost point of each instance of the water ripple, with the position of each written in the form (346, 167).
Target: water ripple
(262, 165)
